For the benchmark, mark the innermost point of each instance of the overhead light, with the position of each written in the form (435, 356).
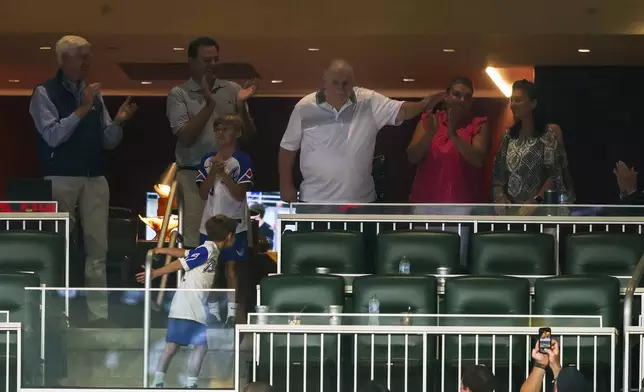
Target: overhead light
(449, 50)
(178, 49)
(314, 49)
(146, 82)
(408, 80)
(277, 81)
(496, 77)
(14, 81)
(583, 50)
(45, 48)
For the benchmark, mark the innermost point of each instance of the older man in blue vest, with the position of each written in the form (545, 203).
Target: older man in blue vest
(74, 130)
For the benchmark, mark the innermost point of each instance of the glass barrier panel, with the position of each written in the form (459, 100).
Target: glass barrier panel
(78, 352)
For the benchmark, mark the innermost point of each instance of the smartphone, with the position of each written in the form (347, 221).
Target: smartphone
(545, 339)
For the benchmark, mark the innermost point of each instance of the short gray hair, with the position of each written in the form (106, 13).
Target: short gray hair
(69, 44)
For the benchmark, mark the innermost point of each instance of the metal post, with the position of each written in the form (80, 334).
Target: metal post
(164, 278)
(18, 359)
(146, 315)
(181, 208)
(43, 315)
(67, 239)
(180, 244)
(628, 305)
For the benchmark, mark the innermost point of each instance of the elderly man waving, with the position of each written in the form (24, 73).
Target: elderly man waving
(74, 130)
(335, 129)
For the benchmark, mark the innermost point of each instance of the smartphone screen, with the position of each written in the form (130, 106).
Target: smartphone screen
(545, 339)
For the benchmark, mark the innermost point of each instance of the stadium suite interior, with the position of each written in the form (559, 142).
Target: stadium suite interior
(589, 72)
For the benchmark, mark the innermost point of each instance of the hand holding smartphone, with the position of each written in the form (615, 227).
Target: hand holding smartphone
(545, 339)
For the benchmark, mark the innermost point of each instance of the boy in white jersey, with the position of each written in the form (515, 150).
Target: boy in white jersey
(188, 312)
(223, 179)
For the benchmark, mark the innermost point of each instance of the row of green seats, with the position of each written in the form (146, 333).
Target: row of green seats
(507, 253)
(468, 295)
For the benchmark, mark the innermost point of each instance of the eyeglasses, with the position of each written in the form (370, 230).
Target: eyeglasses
(460, 95)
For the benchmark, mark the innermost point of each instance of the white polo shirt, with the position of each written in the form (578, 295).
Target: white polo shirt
(337, 145)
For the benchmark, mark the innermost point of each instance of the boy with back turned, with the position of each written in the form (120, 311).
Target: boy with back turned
(188, 311)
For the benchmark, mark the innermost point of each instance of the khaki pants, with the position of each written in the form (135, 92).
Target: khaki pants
(193, 207)
(92, 195)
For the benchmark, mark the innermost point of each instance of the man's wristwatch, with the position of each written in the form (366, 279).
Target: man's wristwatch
(540, 365)
(538, 199)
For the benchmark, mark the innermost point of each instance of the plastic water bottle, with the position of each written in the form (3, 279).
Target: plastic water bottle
(374, 305)
(374, 309)
(563, 200)
(404, 268)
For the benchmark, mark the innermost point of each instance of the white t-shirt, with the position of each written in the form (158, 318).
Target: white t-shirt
(220, 201)
(337, 146)
(199, 265)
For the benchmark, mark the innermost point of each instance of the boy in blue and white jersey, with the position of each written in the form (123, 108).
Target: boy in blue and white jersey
(223, 179)
(188, 311)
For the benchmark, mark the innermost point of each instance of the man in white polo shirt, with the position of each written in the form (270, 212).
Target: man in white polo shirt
(335, 128)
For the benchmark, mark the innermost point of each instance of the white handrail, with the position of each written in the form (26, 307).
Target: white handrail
(396, 218)
(455, 205)
(417, 329)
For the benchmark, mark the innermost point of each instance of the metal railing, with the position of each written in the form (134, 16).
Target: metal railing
(356, 353)
(426, 334)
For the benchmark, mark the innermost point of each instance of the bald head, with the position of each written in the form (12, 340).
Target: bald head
(258, 387)
(339, 66)
(338, 83)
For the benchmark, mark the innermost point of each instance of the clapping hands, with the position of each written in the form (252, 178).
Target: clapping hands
(626, 178)
(126, 111)
(217, 166)
(249, 89)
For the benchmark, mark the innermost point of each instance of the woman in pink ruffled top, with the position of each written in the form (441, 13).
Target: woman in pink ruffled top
(450, 148)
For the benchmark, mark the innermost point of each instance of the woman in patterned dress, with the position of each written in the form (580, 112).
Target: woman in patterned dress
(532, 157)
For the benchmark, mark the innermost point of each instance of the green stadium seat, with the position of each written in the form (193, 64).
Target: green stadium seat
(396, 294)
(512, 253)
(615, 254)
(301, 294)
(579, 295)
(340, 251)
(486, 295)
(425, 250)
(34, 251)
